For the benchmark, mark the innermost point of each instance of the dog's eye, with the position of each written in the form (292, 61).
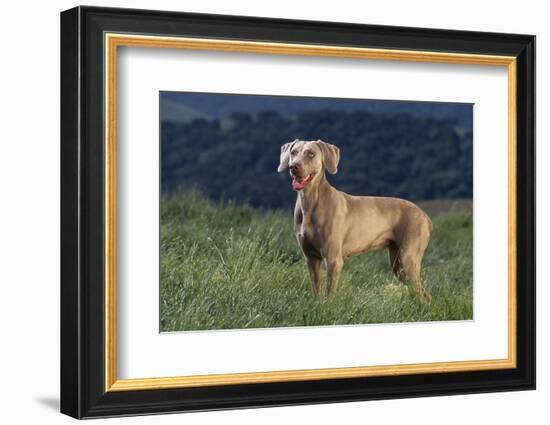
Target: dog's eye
(293, 152)
(311, 154)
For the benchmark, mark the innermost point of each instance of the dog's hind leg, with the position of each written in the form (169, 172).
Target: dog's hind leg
(409, 251)
(410, 256)
(395, 263)
(411, 266)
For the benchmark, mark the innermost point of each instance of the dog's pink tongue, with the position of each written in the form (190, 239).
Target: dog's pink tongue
(298, 185)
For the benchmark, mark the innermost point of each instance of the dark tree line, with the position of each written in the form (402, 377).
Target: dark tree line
(416, 158)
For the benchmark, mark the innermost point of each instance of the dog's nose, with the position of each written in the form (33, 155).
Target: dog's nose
(294, 167)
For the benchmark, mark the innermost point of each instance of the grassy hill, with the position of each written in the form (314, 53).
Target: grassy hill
(225, 266)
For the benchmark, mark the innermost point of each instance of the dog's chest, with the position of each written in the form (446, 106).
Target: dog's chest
(307, 229)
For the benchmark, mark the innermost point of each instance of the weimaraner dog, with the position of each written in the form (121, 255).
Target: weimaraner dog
(331, 225)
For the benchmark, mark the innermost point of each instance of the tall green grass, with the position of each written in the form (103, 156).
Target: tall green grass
(225, 266)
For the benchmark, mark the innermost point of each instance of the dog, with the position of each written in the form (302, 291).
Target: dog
(332, 226)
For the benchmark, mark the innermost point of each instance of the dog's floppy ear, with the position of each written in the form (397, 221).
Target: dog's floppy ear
(331, 156)
(285, 156)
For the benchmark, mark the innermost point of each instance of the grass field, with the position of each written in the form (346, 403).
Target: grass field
(225, 266)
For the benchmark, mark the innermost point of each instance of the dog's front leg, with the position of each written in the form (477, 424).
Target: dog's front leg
(314, 265)
(335, 262)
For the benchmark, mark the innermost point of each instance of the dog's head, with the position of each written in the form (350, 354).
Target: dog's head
(308, 160)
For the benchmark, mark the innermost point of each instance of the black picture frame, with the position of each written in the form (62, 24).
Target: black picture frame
(83, 392)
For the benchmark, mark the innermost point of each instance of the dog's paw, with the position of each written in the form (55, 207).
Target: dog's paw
(425, 297)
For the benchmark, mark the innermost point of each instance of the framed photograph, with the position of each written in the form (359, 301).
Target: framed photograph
(261, 212)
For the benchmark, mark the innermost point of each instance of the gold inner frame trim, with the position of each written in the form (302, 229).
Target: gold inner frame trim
(113, 41)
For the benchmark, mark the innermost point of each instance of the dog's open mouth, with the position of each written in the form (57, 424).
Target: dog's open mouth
(299, 182)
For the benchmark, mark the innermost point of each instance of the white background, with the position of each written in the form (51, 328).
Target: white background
(29, 224)
(143, 72)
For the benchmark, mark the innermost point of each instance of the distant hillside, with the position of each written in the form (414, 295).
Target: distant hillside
(221, 106)
(418, 158)
(178, 112)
